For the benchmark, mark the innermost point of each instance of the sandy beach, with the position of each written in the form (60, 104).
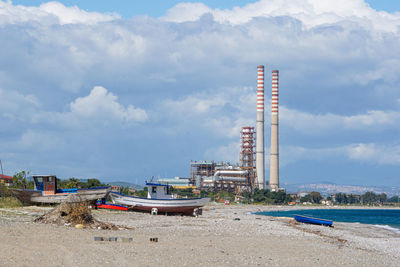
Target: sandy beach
(222, 236)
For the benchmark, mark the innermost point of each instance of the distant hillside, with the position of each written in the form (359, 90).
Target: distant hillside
(126, 184)
(330, 188)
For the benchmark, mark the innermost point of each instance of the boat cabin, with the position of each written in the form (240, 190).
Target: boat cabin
(45, 183)
(158, 191)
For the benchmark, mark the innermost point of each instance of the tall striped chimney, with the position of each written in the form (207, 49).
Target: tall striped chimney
(260, 161)
(274, 164)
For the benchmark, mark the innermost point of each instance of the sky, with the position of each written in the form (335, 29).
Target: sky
(156, 8)
(128, 90)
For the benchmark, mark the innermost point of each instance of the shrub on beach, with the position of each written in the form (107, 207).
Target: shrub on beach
(9, 202)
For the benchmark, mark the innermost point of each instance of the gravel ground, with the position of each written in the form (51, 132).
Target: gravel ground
(222, 236)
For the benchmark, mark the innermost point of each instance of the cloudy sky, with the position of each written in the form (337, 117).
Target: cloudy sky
(127, 91)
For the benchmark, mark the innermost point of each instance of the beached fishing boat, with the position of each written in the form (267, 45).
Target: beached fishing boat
(46, 191)
(159, 200)
(311, 220)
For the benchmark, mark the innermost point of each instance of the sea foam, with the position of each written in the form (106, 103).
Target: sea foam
(387, 227)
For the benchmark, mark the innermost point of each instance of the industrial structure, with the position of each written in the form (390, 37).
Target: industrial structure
(249, 174)
(260, 161)
(247, 155)
(274, 164)
(218, 176)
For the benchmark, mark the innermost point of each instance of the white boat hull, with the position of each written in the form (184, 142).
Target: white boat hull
(173, 205)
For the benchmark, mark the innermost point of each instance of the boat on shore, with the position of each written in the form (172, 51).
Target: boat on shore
(159, 200)
(311, 220)
(46, 191)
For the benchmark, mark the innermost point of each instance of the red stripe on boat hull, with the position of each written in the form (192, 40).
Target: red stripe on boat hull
(112, 207)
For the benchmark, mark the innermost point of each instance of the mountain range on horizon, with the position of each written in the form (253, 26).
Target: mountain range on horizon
(326, 188)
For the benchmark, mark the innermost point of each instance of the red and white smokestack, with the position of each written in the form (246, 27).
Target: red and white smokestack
(260, 161)
(274, 164)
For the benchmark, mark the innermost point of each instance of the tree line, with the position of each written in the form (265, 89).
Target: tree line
(263, 196)
(368, 198)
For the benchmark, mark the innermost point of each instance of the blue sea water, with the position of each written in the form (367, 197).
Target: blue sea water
(384, 218)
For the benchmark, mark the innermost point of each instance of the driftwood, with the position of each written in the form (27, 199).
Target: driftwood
(73, 214)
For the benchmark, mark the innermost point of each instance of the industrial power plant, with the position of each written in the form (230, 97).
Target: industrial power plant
(249, 173)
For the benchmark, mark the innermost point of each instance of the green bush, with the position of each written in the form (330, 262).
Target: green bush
(9, 202)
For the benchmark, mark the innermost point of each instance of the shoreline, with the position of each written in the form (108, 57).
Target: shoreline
(223, 235)
(389, 227)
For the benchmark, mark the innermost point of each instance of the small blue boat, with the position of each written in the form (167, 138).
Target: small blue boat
(311, 220)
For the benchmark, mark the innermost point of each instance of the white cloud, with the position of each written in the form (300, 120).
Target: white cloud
(12, 100)
(339, 63)
(311, 12)
(102, 104)
(194, 104)
(16, 106)
(225, 112)
(50, 12)
(186, 12)
(222, 112)
(72, 15)
(375, 154)
(372, 118)
(290, 154)
(229, 153)
(99, 107)
(40, 140)
(315, 124)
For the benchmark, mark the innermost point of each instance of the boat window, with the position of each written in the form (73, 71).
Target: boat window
(39, 179)
(154, 189)
(50, 179)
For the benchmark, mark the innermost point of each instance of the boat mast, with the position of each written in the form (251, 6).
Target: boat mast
(2, 176)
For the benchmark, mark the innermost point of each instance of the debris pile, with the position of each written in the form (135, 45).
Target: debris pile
(74, 214)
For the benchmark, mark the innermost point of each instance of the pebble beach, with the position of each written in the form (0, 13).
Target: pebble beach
(222, 236)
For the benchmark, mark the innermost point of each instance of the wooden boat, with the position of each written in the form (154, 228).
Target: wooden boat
(311, 220)
(158, 198)
(46, 192)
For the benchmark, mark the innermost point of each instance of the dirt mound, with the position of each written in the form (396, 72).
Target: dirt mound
(73, 214)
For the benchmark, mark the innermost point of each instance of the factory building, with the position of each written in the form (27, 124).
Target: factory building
(250, 172)
(218, 176)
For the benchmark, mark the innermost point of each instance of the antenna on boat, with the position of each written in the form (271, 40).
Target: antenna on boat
(2, 176)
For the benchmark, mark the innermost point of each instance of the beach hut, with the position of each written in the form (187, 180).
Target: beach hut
(7, 180)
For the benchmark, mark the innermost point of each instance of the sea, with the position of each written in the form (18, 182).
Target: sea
(383, 218)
